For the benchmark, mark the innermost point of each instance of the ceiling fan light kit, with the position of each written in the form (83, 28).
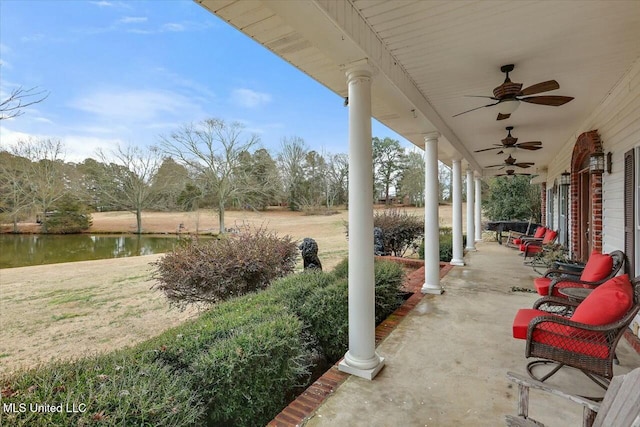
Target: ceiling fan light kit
(509, 106)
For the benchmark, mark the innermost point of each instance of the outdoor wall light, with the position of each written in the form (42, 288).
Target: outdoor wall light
(596, 162)
(508, 106)
(565, 178)
(609, 161)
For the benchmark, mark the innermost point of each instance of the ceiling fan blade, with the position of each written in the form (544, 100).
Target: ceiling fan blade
(503, 116)
(530, 143)
(529, 147)
(482, 96)
(500, 152)
(474, 109)
(495, 166)
(523, 165)
(551, 100)
(539, 88)
(487, 149)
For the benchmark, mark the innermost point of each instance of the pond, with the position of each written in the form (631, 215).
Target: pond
(20, 250)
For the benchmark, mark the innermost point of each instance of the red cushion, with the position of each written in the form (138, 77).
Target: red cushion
(565, 337)
(517, 241)
(598, 267)
(522, 319)
(539, 232)
(607, 303)
(532, 249)
(549, 236)
(542, 285)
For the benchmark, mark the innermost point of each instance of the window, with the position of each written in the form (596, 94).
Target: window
(563, 215)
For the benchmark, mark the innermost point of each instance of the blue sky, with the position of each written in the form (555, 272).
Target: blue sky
(126, 72)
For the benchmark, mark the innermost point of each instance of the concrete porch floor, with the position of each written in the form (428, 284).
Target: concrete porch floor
(447, 360)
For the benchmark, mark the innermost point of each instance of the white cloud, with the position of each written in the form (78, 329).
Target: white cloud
(134, 105)
(43, 120)
(173, 27)
(77, 147)
(36, 37)
(81, 147)
(117, 4)
(133, 19)
(9, 137)
(249, 98)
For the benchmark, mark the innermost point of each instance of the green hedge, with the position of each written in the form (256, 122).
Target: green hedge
(236, 364)
(117, 389)
(446, 244)
(388, 281)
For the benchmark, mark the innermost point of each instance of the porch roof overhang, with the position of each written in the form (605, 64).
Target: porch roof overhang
(428, 55)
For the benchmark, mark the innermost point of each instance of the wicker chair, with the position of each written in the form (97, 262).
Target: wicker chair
(555, 279)
(515, 239)
(566, 342)
(619, 259)
(530, 247)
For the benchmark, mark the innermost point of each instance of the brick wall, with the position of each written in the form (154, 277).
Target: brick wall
(587, 143)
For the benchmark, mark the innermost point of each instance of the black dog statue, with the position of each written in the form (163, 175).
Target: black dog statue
(309, 249)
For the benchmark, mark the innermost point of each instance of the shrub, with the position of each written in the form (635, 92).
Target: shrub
(120, 388)
(400, 230)
(388, 282)
(216, 270)
(329, 320)
(446, 244)
(341, 270)
(234, 365)
(242, 356)
(326, 311)
(69, 215)
(389, 278)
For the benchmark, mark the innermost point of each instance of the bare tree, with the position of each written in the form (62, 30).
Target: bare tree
(15, 197)
(18, 99)
(444, 182)
(291, 161)
(41, 179)
(133, 170)
(338, 172)
(213, 148)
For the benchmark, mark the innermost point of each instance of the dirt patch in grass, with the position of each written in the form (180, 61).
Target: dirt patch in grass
(63, 311)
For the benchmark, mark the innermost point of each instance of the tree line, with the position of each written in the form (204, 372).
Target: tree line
(210, 164)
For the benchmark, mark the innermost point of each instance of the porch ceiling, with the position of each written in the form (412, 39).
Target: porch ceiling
(430, 54)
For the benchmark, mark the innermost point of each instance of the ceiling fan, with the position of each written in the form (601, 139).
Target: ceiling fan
(512, 172)
(510, 161)
(508, 95)
(510, 143)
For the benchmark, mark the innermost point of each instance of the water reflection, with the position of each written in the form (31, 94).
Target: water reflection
(18, 250)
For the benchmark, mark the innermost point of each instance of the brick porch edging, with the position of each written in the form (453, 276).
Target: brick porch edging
(311, 399)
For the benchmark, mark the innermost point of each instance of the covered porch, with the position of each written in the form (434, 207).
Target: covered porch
(438, 73)
(453, 78)
(447, 360)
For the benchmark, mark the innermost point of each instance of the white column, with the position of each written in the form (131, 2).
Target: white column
(361, 359)
(471, 244)
(456, 177)
(478, 201)
(431, 216)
